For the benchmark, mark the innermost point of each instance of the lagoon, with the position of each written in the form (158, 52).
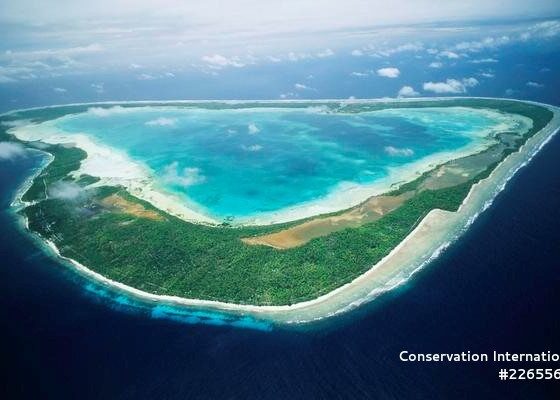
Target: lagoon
(248, 163)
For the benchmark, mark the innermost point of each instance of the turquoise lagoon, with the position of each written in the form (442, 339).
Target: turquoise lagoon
(241, 163)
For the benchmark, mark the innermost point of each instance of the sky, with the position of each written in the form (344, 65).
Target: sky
(59, 51)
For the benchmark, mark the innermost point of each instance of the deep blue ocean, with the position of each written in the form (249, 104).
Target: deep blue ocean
(498, 288)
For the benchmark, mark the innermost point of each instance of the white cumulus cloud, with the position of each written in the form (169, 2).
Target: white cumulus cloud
(253, 129)
(182, 177)
(107, 111)
(534, 84)
(389, 72)
(288, 95)
(252, 148)
(325, 53)
(146, 77)
(448, 54)
(398, 152)
(407, 47)
(98, 87)
(450, 85)
(546, 29)
(359, 74)
(9, 151)
(65, 190)
(162, 121)
(486, 43)
(483, 61)
(470, 82)
(407, 91)
(218, 61)
(301, 86)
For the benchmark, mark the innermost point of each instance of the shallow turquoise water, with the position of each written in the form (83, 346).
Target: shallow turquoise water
(247, 162)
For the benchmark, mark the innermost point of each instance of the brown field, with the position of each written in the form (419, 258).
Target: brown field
(369, 211)
(128, 207)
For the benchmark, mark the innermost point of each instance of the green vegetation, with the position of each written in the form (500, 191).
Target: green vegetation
(171, 256)
(66, 159)
(85, 180)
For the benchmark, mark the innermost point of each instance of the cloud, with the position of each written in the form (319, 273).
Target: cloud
(398, 152)
(293, 56)
(470, 82)
(145, 77)
(56, 52)
(534, 84)
(217, 61)
(359, 74)
(150, 77)
(182, 177)
(288, 95)
(107, 111)
(325, 53)
(407, 47)
(301, 86)
(252, 148)
(484, 44)
(270, 17)
(162, 121)
(9, 151)
(487, 74)
(483, 61)
(541, 30)
(448, 54)
(6, 79)
(59, 90)
(546, 30)
(65, 190)
(16, 123)
(253, 129)
(450, 85)
(407, 91)
(43, 62)
(436, 64)
(389, 72)
(124, 38)
(98, 87)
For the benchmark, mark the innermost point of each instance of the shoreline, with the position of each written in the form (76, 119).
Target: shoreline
(102, 161)
(269, 101)
(430, 237)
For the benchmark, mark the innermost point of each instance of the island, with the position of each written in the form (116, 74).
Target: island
(356, 196)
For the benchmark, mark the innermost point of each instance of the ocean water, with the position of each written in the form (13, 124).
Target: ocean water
(248, 162)
(497, 288)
